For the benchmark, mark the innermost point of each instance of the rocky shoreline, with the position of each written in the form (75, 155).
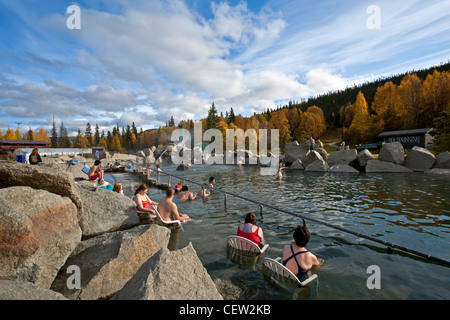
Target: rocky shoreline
(65, 240)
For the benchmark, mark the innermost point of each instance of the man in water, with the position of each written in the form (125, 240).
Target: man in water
(168, 209)
(185, 194)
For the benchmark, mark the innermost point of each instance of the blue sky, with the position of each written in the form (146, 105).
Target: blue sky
(144, 61)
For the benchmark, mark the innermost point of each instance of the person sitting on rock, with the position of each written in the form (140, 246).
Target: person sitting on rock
(96, 171)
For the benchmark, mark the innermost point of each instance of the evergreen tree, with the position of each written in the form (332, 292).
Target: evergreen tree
(54, 137)
(213, 119)
(96, 135)
(88, 134)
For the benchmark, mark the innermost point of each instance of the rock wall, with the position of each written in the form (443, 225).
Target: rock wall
(49, 225)
(391, 159)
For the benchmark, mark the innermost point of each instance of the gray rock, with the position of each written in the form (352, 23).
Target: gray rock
(311, 157)
(342, 157)
(392, 152)
(293, 151)
(38, 231)
(439, 171)
(41, 177)
(323, 153)
(171, 275)
(364, 156)
(297, 165)
(24, 290)
(106, 211)
(443, 160)
(108, 261)
(318, 166)
(419, 159)
(377, 166)
(342, 168)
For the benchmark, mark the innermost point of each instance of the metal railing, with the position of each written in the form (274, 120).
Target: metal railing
(389, 245)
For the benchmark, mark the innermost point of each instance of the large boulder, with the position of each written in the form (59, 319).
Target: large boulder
(392, 152)
(342, 168)
(41, 177)
(171, 275)
(364, 156)
(38, 231)
(377, 166)
(24, 290)
(419, 159)
(311, 157)
(342, 157)
(297, 165)
(106, 211)
(443, 160)
(293, 151)
(318, 166)
(108, 261)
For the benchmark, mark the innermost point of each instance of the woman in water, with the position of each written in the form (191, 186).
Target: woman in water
(250, 231)
(295, 256)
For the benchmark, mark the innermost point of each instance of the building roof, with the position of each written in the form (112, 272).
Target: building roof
(405, 133)
(23, 142)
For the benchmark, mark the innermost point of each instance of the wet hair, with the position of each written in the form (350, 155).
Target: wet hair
(140, 188)
(302, 235)
(117, 187)
(170, 192)
(184, 188)
(250, 218)
(211, 179)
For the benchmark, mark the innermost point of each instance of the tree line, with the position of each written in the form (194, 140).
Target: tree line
(410, 101)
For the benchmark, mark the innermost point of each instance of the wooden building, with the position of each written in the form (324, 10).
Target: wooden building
(8, 146)
(410, 138)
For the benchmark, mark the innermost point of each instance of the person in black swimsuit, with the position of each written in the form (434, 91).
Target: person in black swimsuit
(296, 258)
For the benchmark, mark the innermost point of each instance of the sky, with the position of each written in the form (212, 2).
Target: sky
(117, 62)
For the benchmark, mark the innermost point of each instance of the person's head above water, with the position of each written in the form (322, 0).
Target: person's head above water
(302, 235)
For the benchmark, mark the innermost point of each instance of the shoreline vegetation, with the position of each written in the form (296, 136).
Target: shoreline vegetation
(356, 115)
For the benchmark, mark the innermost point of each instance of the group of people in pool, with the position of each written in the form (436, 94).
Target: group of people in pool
(295, 256)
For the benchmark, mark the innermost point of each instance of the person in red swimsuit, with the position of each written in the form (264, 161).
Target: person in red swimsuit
(144, 203)
(250, 231)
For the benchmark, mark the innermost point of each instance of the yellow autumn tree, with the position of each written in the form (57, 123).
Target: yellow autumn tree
(279, 121)
(360, 129)
(386, 117)
(10, 135)
(436, 95)
(315, 124)
(410, 101)
(42, 136)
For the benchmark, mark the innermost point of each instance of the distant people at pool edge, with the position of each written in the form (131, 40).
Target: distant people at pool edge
(143, 202)
(95, 172)
(168, 209)
(250, 231)
(35, 157)
(296, 258)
